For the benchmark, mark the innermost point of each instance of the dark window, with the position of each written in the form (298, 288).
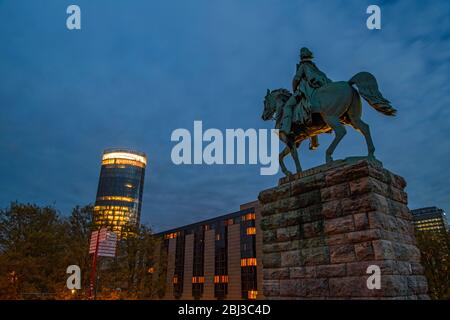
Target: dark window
(248, 278)
(179, 266)
(221, 254)
(199, 255)
(248, 250)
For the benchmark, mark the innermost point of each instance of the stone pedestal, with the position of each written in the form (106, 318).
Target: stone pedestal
(324, 227)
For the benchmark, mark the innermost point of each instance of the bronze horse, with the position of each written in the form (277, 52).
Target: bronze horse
(332, 106)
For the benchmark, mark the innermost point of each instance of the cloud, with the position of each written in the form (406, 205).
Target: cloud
(138, 71)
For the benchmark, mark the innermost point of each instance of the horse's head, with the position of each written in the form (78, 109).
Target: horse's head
(272, 101)
(269, 106)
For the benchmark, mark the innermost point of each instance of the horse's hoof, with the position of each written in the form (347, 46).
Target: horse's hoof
(329, 159)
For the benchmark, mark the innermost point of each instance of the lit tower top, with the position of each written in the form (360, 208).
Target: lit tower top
(119, 194)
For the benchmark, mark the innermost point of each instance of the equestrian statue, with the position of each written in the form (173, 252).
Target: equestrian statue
(319, 105)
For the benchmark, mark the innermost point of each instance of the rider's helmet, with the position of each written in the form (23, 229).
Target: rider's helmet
(305, 54)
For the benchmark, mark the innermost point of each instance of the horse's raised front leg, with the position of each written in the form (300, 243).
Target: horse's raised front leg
(283, 154)
(339, 131)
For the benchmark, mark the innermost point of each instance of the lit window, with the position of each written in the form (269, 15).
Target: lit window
(116, 198)
(252, 294)
(108, 161)
(198, 279)
(221, 279)
(251, 231)
(172, 235)
(130, 162)
(248, 262)
(117, 155)
(249, 217)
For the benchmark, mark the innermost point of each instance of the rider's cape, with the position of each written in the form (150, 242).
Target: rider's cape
(309, 78)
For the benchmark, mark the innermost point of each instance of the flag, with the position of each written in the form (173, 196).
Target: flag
(107, 241)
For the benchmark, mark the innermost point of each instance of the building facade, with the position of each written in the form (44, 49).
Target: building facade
(431, 219)
(218, 258)
(119, 194)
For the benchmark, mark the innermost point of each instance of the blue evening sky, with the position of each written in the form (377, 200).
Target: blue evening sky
(140, 69)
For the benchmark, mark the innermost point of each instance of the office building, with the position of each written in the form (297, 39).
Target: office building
(119, 194)
(219, 258)
(431, 219)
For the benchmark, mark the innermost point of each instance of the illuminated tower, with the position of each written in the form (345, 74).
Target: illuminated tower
(119, 193)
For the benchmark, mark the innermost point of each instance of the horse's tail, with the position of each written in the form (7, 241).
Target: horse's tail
(368, 89)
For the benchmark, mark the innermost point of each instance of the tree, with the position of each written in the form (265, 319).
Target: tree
(128, 276)
(32, 247)
(435, 254)
(37, 246)
(79, 227)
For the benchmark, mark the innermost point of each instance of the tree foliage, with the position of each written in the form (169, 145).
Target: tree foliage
(435, 254)
(129, 274)
(37, 245)
(32, 244)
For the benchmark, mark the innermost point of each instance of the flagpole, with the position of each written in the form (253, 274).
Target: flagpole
(94, 267)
